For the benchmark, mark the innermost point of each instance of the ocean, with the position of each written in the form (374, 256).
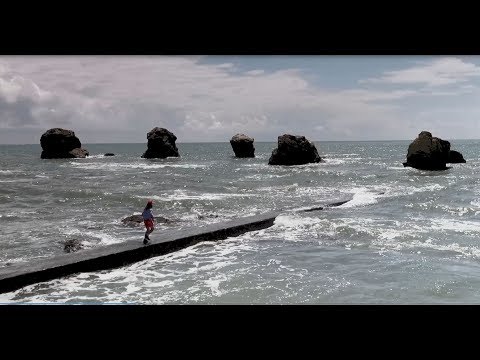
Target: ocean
(406, 237)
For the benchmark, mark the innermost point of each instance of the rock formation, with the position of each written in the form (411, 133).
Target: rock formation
(60, 143)
(161, 144)
(427, 152)
(242, 146)
(72, 245)
(294, 150)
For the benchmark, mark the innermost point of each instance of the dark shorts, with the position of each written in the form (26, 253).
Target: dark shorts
(148, 223)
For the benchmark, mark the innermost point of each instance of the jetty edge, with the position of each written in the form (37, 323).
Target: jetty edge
(117, 255)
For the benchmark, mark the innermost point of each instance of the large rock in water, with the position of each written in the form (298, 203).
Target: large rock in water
(60, 143)
(427, 152)
(294, 150)
(455, 157)
(242, 146)
(161, 144)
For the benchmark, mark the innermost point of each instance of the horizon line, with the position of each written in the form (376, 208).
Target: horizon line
(228, 141)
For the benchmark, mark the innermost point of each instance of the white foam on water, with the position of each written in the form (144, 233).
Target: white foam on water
(458, 211)
(401, 190)
(184, 195)
(293, 221)
(98, 156)
(102, 237)
(334, 161)
(214, 284)
(475, 202)
(296, 227)
(109, 166)
(460, 226)
(420, 246)
(361, 197)
(264, 176)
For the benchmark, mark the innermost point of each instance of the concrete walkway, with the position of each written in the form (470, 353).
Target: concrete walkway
(117, 255)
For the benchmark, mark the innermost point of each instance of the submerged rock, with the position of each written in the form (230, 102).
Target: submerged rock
(161, 144)
(72, 245)
(60, 143)
(294, 150)
(242, 146)
(455, 157)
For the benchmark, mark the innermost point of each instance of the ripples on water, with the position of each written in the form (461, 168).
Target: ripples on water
(407, 236)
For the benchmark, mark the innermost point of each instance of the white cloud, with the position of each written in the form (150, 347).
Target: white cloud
(255, 72)
(110, 99)
(438, 72)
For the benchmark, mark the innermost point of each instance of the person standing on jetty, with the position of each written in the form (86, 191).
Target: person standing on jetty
(148, 219)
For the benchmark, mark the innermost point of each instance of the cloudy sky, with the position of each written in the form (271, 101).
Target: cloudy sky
(107, 99)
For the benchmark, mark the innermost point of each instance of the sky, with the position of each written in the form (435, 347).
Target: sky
(119, 99)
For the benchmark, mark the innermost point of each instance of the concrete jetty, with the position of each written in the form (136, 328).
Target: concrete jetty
(117, 255)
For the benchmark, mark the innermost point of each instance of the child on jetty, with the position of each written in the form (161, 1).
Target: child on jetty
(148, 220)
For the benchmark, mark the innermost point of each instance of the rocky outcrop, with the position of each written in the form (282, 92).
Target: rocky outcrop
(60, 143)
(109, 154)
(161, 144)
(427, 152)
(242, 146)
(137, 220)
(455, 157)
(294, 150)
(72, 245)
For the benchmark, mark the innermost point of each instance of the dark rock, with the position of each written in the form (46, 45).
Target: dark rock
(314, 209)
(242, 146)
(161, 144)
(133, 220)
(294, 150)
(427, 152)
(203, 216)
(60, 143)
(338, 203)
(72, 245)
(137, 220)
(79, 153)
(455, 157)
(109, 154)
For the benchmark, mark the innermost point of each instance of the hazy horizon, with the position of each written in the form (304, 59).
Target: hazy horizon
(228, 141)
